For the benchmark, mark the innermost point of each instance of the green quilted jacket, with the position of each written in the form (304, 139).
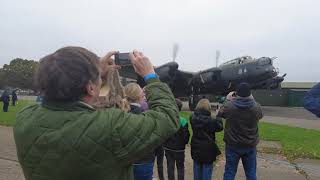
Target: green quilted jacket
(75, 141)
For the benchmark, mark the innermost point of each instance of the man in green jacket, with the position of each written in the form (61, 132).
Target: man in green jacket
(66, 138)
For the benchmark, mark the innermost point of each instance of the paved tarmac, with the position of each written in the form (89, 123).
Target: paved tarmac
(9, 165)
(269, 166)
(291, 116)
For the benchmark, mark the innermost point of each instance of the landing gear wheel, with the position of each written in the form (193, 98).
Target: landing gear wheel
(193, 101)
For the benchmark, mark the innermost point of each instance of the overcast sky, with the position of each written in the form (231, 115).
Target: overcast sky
(288, 29)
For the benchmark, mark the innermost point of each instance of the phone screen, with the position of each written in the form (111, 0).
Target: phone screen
(126, 70)
(122, 59)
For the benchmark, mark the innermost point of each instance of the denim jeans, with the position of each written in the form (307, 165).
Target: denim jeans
(202, 171)
(175, 159)
(249, 161)
(143, 171)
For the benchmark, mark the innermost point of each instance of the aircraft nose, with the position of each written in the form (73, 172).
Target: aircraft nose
(269, 69)
(280, 79)
(174, 66)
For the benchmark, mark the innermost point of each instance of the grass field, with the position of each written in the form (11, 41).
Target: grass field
(8, 118)
(296, 142)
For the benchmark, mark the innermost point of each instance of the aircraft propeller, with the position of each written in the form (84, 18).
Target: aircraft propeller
(175, 51)
(217, 57)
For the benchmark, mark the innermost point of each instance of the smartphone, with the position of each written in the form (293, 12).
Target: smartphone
(122, 59)
(126, 70)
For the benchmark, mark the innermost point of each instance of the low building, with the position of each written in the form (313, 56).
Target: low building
(291, 94)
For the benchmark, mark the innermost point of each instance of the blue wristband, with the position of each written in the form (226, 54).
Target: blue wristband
(149, 76)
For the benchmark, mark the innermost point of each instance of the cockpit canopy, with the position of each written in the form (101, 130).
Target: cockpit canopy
(239, 60)
(264, 61)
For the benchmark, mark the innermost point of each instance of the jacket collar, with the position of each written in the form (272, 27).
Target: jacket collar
(136, 104)
(203, 112)
(243, 102)
(68, 106)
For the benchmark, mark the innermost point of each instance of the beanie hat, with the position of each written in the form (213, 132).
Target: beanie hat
(243, 90)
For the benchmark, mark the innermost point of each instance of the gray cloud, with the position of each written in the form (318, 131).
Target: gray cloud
(286, 29)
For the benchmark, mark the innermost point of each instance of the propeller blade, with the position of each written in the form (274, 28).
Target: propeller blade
(217, 57)
(175, 51)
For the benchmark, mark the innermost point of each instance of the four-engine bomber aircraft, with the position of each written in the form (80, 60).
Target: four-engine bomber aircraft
(259, 73)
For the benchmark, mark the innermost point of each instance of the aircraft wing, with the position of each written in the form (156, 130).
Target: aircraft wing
(168, 73)
(179, 83)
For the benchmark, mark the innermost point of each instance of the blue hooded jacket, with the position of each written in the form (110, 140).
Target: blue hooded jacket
(312, 100)
(243, 103)
(5, 97)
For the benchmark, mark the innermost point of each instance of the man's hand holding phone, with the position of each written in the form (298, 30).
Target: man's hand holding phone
(141, 63)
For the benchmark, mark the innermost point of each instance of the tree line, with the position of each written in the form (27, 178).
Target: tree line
(19, 73)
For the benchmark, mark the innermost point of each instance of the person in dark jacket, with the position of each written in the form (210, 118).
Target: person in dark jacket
(5, 98)
(14, 97)
(175, 146)
(204, 149)
(241, 134)
(143, 168)
(312, 100)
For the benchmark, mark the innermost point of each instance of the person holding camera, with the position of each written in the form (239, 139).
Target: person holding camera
(65, 137)
(241, 134)
(312, 100)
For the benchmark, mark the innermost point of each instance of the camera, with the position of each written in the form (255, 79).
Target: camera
(126, 70)
(122, 59)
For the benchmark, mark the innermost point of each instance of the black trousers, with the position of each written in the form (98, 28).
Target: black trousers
(159, 155)
(175, 159)
(5, 106)
(13, 102)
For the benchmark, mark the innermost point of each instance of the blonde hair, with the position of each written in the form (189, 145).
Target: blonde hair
(203, 104)
(133, 92)
(112, 92)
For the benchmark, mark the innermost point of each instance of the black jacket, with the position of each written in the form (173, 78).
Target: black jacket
(149, 157)
(5, 98)
(203, 146)
(14, 96)
(179, 140)
(242, 116)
